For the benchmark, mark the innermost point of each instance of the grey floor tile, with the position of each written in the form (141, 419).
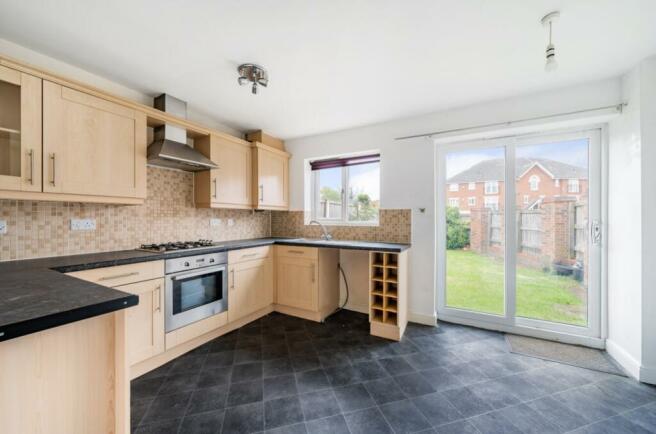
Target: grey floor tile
(145, 388)
(495, 393)
(244, 393)
(219, 360)
(167, 407)
(246, 372)
(631, 393)
(298, 428)
(310, 381)
(441, 379)
(342, 375)
(466, 402)
(162, 427)
(558, 413)
(279, 387)
(368, 421)
(353, 397)
(520, 387)
(203, 423)
(248, 355)
(369, 370)
(208, 399)
(467, 373)
(614, 425)
(188, 363)
(460, 427)
(396, 365)
(214, 377)
(421, 361)
(528, 420)
(328, 425)
(437, 409)
(384, 391)
(247, 418)
(586, 403)
(138, 409)
(644, 416)
(544, 381)
(274, 368)
(404, 417)
(270, 352)
(176, 383)
(316, 405)
(305, 362)
(414, 384)
(282, 412)
(494, 423)
(337, 358)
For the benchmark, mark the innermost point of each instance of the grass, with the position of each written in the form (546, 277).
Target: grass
(476, 282)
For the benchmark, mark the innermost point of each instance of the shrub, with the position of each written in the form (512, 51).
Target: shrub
(457, 231)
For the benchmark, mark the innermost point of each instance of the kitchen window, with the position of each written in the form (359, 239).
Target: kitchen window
(346, 190)
(573, 186)
(491, 187)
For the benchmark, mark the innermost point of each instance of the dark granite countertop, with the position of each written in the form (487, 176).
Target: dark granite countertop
(35, 295)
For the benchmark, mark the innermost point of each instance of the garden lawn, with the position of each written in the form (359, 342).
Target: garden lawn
(475, 282)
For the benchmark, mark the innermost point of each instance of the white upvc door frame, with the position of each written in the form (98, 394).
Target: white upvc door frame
(592, 334)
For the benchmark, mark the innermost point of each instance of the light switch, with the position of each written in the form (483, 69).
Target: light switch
(215, 222)
(83, 224)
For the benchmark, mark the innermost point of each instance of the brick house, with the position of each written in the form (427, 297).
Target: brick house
(538, 179)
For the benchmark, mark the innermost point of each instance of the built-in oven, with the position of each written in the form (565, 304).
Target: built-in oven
(196, 288)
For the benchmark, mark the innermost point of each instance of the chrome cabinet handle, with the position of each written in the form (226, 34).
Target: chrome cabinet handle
(158, 290)
(232, 285)
(215, 190)
(249, 255)
(313, 271)
(261, 193)
(31, 155)
(54, 166)
(299, 252)
(118, 276)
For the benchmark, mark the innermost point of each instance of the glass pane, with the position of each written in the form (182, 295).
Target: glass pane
(10, 120)
(330, 193)
(364, 192)
(552, 219)
(475, 230)
(196, 291)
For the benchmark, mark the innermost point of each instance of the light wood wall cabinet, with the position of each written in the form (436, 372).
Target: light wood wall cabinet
(92, 146)
(20, 131)
(307, 281)
(270, 177)
(250, 281)
(229, 186)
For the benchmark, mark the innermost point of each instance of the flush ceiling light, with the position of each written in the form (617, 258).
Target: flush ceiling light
(252, 73)
(550, 52)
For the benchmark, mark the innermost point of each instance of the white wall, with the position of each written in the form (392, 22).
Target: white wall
(408, 166)
(33, 58)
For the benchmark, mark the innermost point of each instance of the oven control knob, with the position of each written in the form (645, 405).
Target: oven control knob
(211, 260)
(186, 264)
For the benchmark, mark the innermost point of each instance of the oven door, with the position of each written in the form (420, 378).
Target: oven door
(195, 295)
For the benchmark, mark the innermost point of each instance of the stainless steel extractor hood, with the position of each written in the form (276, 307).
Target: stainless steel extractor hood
(169, 147)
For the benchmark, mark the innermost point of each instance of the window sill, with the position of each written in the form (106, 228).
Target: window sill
(333, 223)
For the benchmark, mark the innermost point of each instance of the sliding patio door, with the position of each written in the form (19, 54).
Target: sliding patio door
(519, 234)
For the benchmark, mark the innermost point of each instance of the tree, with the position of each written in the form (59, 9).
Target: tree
(362, 208)
(457, 231)
(330, 194)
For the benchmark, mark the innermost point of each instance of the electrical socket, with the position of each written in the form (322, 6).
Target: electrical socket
(3, 227)
(215, 222)
(231, 222)
(83, 224)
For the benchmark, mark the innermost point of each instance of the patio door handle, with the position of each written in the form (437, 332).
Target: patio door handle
(595, 232)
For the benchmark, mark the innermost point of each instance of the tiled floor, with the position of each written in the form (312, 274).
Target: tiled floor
(286, 375)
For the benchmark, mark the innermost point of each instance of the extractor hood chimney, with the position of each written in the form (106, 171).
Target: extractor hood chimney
(169, 147)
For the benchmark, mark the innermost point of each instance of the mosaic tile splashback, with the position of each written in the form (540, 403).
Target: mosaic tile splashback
(37, 229)
(395, 227)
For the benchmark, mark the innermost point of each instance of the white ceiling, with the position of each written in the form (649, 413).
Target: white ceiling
(334, 64)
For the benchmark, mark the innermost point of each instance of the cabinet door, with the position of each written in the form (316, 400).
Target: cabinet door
(145, 321)
(20, 131)
(92, 146)
(273, 179)
(251, 287)
(297, 282)
(231, 182)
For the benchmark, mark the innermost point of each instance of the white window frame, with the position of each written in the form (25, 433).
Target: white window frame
(491, 200)
(491, 187)
(573, 185)
(453, 187)
(343, 219)
(526, 199)
(471, 201)
(472, 186)
(534, 183)
(454, 202)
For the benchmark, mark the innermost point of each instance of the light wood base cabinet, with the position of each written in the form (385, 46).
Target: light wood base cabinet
(250, 283)
(388, 294)
(307, 281)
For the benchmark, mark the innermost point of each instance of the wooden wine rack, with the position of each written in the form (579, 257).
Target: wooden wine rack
(388, 294)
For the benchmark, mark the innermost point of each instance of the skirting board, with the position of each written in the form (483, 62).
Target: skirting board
(648, 374)
(626, 361)
(420, 318)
